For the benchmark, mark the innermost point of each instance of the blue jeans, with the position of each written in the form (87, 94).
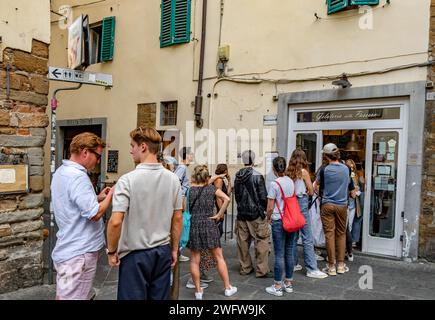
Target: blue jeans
(284, 244)
(307, 238)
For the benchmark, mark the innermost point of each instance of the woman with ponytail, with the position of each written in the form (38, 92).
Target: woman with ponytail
(283, 242)
(298, 171)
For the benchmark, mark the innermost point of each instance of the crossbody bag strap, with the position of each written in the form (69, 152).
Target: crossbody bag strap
(199, 195)
(283, 199)
(187, 199)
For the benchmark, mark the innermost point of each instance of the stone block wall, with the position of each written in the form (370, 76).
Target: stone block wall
(23, 122)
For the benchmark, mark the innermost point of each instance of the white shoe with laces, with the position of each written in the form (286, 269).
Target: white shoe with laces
(297, 267)
(230, 291)
(191, 285)
(317, 274)
(183, 258)
(273, 290)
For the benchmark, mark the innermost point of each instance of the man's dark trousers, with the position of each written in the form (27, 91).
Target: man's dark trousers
(145, 274)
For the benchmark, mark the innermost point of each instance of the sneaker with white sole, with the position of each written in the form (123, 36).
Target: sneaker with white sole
(342, 269)
(273, 290)
(183, 258)
(206, 278)
(191, 285)
(331, 271)
(288, 287)
(349, 257)
(198, 295)
(297, 267)
(317, 274)
(319, 257)
(230, 291)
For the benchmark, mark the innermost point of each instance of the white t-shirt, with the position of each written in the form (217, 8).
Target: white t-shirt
(275, 193)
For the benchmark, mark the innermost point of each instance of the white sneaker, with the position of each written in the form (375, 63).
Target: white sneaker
(183, 258)
(191, 285)
(350, 257)
(297, 267)
(230, 291)
(317, 274)
(288, 287)
(319, 257)
(274, 291)
(198, 295)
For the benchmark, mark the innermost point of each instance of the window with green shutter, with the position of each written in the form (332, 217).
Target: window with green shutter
(340, 5)
(364, 2)
(107, 39)
(336, 5)
(175, 22)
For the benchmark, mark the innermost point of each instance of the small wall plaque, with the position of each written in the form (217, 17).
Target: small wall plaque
(112, 162)
(14, 178)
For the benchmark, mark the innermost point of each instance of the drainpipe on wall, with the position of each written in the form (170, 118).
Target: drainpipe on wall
(198, 99)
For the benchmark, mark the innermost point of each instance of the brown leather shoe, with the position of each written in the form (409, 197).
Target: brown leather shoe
(267, 275)
(246, 273)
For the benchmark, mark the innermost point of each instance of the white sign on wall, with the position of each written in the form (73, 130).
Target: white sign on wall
(75, 41)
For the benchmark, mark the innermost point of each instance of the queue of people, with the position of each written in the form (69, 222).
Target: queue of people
(143, 233)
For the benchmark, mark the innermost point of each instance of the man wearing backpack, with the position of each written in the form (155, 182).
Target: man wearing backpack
(335, 184)
(251, 197)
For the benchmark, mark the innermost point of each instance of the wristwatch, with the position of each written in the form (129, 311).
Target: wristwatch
(110, 253)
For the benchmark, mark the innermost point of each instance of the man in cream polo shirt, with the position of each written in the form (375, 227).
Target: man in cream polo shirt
(144, 230)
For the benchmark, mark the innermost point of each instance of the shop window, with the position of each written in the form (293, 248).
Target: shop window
(175, 22)
(341, 5)
(168, 113)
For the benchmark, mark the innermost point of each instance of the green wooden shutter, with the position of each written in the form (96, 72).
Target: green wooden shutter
(107, 39)
(182, 21)
(166, 22)
(364, 2)
(175, 22)
(336, 5)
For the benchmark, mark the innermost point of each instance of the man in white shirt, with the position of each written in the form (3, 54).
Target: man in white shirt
(78, 211)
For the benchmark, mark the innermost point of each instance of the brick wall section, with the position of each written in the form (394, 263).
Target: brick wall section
(23, 122)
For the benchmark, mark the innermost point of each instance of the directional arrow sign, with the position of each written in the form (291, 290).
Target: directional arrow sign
(70, 75)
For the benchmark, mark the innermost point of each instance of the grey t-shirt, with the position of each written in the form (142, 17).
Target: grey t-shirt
(148, 196)
(336, 189)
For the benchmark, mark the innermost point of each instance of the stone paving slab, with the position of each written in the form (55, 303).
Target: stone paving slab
(392, 280)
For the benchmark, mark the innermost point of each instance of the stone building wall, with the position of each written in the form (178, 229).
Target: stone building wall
(23, 121)
(427, 219)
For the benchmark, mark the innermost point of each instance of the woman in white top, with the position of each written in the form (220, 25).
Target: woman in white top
(284, 243)
(298, 171)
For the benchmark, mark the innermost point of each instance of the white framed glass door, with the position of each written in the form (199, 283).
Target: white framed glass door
(384, 201)
(311, 142)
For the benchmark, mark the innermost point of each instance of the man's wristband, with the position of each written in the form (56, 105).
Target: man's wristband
(109, 253)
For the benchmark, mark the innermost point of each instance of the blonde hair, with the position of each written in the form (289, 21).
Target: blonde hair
(86, 140)
(149, 136)
(200, 174)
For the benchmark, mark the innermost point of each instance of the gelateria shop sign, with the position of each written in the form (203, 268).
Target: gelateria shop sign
(349, 115)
